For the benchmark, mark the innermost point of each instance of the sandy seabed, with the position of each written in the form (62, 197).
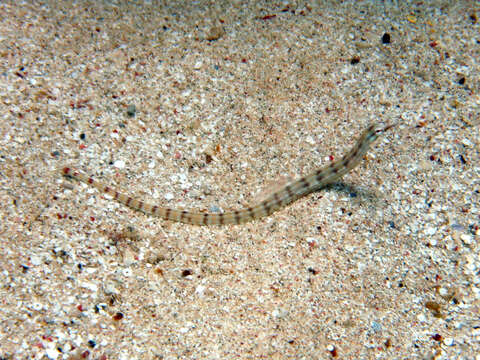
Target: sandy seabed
(212, 106)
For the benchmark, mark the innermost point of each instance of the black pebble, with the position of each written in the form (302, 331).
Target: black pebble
(186, 272)
(386, 38)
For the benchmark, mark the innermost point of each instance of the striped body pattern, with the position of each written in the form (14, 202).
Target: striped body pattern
(279, 199)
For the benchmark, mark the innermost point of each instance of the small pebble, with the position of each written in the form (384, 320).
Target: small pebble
(131, 110)
(448, 341)
(215, 33)
(90, 286)
(118, 316)
(119, 164)
(457, 227)
(52, 353)
(187, 272)
(430, 230)
(35, 260)
(467, 143)
(386, 38)
(200, 290)
(127, 272)
(421, 318)
(376, 326)
(466, 238)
